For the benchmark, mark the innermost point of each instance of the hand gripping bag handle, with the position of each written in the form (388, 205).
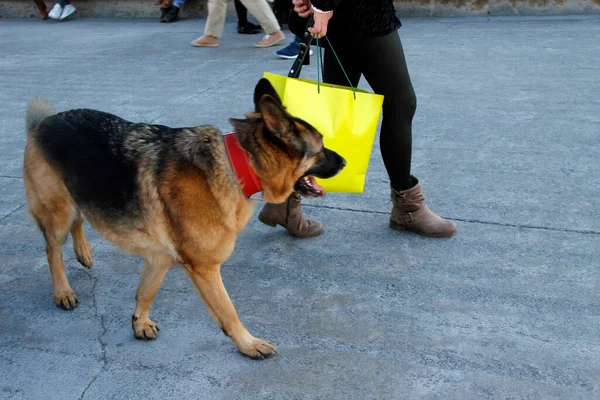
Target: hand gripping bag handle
(303, 57)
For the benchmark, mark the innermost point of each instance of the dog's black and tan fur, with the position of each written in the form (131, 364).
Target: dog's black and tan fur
(167, 195)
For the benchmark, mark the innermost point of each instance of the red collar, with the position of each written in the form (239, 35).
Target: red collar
(240, 163)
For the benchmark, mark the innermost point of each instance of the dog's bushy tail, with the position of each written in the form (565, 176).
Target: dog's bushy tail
(38, 109)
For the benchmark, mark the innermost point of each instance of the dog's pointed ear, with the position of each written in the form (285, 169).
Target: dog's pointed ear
(276, 119)
(264, 87)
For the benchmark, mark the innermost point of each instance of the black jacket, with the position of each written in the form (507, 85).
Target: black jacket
(360, 18)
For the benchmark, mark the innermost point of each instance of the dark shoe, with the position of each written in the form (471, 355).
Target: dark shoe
(292, 50)
(289, 215)
(163, 13)
(41, 6)
(249, 29)
(172, 14)
(412, 214)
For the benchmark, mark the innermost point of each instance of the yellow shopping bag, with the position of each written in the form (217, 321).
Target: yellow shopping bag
(347, 119)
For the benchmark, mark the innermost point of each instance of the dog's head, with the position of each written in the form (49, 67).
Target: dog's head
(287, 153)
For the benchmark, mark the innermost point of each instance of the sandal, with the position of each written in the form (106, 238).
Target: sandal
(270, 40)
(205, 42)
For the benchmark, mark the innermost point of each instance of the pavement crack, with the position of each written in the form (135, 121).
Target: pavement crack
(528, 226)
(470, 221)
(12, 212)
(101, 318)
(346, 209)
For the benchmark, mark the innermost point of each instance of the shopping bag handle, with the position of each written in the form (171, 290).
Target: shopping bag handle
(302, 59)
(319, 56)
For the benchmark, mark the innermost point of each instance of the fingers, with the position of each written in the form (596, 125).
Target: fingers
(319, 29)
(315, 32)
(302, 3)
(302, 7)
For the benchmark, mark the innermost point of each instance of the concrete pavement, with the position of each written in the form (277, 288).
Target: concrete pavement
(505, 142)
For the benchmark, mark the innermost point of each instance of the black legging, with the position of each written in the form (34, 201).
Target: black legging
(381, 61)
(242, 12)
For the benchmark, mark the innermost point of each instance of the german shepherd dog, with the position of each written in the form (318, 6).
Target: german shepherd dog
(168, 195)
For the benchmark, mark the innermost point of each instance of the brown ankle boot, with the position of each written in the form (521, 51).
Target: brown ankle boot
(289, 215)
(41, 6)
(412, 214)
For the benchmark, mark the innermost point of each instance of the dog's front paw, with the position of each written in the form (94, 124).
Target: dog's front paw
(256, 348)
(144, 329)
(66, 299)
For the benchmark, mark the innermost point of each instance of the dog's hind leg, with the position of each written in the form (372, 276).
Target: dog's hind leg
(82, 248)
(155, 270)
(52, 207)
(55, 224)
(207, 279)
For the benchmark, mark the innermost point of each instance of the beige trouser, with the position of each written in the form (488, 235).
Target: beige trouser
(217, 10)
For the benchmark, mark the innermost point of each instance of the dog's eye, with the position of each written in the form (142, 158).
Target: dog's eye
(311, 153)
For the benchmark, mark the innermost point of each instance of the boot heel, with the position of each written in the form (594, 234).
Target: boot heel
(266, 221)
(397, 227)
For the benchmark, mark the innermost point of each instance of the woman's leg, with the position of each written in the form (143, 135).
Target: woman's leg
(381, 61)
(387, 73)
(349, 59)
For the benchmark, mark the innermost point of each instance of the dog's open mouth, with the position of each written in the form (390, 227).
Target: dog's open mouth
(308, 187)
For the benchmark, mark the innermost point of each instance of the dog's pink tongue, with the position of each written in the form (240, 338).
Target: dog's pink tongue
(317, 187)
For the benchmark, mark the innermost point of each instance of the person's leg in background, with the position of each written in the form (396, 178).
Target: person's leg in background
(165, 7)
(289, 214)
(61, 10)
(56, 11)
(261, 10)
(41, 6)
(173, 12)
(291, 50)
(384, 67)
(217, 11)
(244, 26)
(282, 9)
